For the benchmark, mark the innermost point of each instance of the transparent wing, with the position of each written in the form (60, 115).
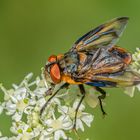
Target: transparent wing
(105, 35)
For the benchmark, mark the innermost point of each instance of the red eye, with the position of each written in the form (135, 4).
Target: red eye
(55, 73)
(52, 58)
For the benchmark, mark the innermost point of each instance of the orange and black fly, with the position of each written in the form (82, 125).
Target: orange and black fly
(94, 60)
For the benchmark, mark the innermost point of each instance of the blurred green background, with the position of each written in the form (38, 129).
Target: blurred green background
(31, 30)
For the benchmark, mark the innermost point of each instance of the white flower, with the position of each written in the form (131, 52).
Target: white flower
(18, 103)
(63, 122)
(58, 126)
(81, 116)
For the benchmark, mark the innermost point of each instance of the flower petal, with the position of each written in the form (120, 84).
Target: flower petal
(82, 107)
(79, 125)
(130, 90)
(87, 119)
(17, 116)
(63, 109)
(59, 134)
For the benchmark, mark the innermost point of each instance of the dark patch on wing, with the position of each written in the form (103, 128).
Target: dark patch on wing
(89, 34)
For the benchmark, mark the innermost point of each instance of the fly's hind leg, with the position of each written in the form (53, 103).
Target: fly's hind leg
(101, 97)
(83, 92)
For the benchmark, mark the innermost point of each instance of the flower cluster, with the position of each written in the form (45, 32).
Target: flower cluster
(23, 103)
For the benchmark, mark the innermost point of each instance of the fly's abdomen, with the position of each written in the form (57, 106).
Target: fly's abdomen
(122, 54)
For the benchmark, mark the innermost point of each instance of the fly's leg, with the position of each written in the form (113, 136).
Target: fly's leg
(48, 92)
(83, 92)
(65, 85)
(101, 97)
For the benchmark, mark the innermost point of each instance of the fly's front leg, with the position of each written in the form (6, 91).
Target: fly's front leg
(65, 85)
(83, 92)
(49, 91)
(101, 97)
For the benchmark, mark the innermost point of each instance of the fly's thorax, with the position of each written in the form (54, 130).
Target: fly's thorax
(69, 63)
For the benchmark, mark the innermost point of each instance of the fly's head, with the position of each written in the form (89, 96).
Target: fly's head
(52, 70)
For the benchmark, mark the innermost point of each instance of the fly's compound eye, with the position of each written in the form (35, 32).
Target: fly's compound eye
(55, 73)
(54, 70)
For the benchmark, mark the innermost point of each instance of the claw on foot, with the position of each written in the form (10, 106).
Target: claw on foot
(104, 114)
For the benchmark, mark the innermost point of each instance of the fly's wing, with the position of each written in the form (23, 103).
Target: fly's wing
(105, 35)
(105, 70)
(124, 79)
